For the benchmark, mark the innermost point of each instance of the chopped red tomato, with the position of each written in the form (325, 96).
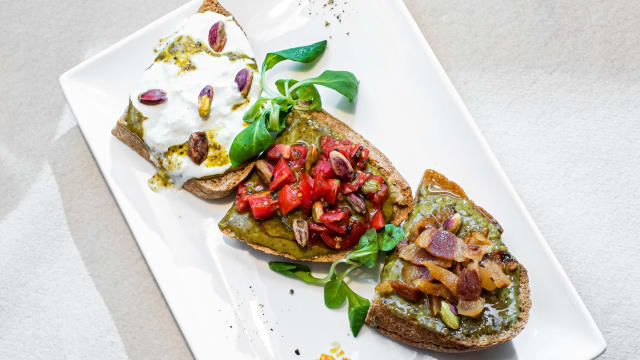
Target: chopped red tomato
(355, 231)
(262, 205)
(336, 220)
(313, 226)
(298, 156)
(330, 240)
(278, 151)
(288, 199)
(323, 168)
(360, 155)
(379, 197)
(329, 144)
(355, 184)
(282, 175)
(331, 194)
(377, 178)
(319, 188)
(242, 194)
(377, 221)
(305, 190)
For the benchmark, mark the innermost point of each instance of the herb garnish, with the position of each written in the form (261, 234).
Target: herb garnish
(336, 290)
(267, 115)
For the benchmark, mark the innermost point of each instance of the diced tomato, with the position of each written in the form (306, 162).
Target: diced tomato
(319, 188)
(298, 156)
(262, 205)
(360, 156)
(377, 178)
(331, 194)
(278, 151)
(355, 184)
(282, 175)
(379, 197)
(323, 168)
(305, 189)
(329, 144)
(355, 231)
(335, 220)
(313, 226)
(242, 194)
(288, 199)
(330, 240)
(377, 222)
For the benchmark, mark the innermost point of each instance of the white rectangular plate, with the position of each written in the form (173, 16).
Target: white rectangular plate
(221, 293)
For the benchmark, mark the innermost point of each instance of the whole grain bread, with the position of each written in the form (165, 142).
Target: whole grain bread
(214, 188)
(399, 189)
(388, 323)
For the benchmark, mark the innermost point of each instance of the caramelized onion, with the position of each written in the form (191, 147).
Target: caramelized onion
(434, 289)
(497, 275)
(471, 308)
(410, 273)
(384, 288)
(449, 279)
(405, 290)
(433, 304)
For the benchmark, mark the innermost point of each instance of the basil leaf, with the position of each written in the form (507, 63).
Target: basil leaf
(335, 292)
(250, 142)
(366, 252)
(358, 309)
(299, 271)
(343, 82)
(303, 54)
(255, 110)
(389, 238)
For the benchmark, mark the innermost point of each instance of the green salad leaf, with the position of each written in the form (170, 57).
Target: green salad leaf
(269, 112)
(299, 271)
(336, 290)
(390, 237)
(303, 54)
(358, 309)
(254, 139)
(343, 82)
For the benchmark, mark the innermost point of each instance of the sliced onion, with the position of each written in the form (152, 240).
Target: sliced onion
(449, 279)
(434, 289)
(471, 308)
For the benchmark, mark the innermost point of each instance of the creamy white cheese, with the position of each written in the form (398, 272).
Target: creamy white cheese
(172, 122)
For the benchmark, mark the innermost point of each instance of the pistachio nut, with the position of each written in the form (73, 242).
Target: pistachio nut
(198, 147)
(243, 80)
(356, 203)
(317, 211)
(153, 97)
(204, 101)
(217, 36)
(312, 157)
(452, 224)
(340, 165)
(448, 317)
(265, 170)
(301, 232)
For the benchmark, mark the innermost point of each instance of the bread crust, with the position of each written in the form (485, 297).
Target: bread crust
(383, 319)
(209, 189)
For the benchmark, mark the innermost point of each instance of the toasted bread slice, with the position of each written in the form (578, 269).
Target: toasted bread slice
(398, 187)
(383, 318)
(213, 188)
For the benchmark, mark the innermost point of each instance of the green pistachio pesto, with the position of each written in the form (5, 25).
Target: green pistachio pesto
(502, 305)
(134, 119)
(276, 233)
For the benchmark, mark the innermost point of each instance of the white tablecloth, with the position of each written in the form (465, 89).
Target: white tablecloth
(554, 86)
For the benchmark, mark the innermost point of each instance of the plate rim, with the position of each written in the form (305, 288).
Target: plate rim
(65, 80)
